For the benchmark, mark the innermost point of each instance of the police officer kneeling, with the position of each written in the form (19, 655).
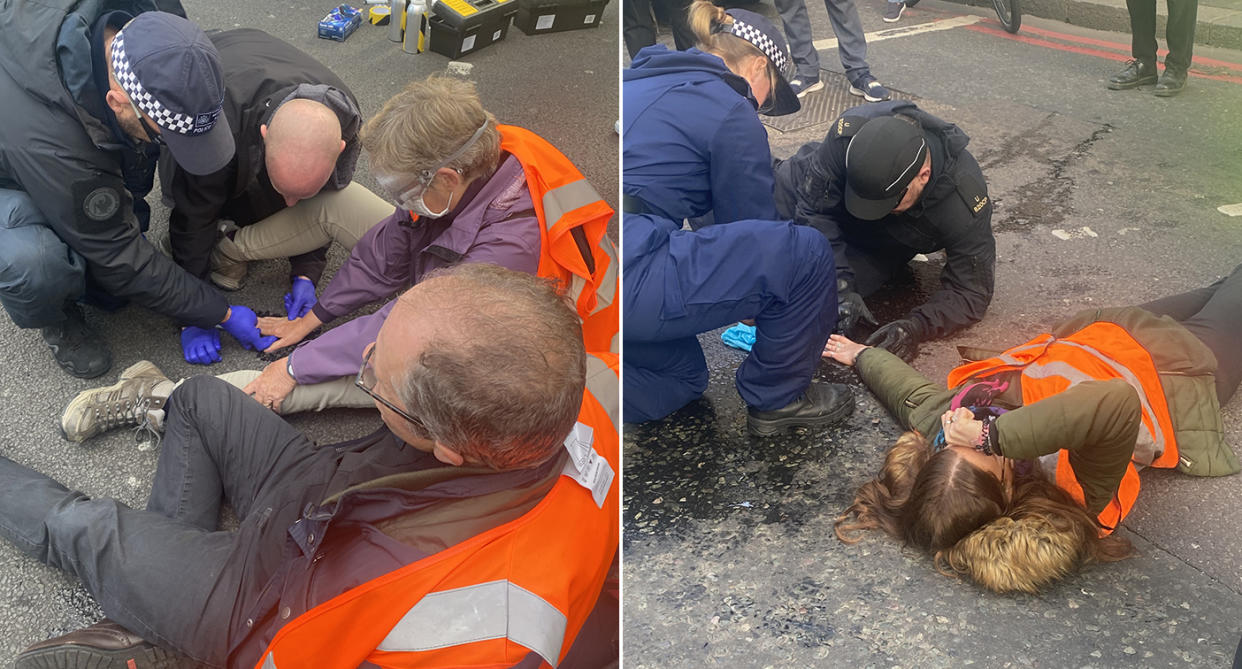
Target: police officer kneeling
(888, 182)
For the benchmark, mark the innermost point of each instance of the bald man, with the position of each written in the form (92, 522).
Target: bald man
(295, 125)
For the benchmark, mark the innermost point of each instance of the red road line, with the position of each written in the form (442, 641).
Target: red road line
(1124, 48)
(987, 30)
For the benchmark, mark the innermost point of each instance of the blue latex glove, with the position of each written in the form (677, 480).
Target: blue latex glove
(201, 346)
(739, 336)
(300, 298)
(243, 325)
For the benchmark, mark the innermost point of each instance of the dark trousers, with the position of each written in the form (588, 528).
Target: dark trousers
(1214, 315)
(638, 24)
(166, 573)
(778, 273)
(1179, 33)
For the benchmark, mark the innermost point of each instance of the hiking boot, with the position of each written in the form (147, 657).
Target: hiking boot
(1136, 73)
(819, 405)
(137, 399)
(802, 87)
(228, 271)
(870, 89)
(1171, 83)
(77, 348)
(893, 11)
(104, 645)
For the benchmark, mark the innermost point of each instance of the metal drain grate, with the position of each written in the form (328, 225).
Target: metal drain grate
(824, 105)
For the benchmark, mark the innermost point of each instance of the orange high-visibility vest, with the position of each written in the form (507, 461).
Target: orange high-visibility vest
(574, 244)
(1100, 351)
(527, 585)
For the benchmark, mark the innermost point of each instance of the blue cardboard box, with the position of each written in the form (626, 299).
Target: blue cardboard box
(340, 22)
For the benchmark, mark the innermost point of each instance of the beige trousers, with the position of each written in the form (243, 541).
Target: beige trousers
(341, 216)
(335, 394)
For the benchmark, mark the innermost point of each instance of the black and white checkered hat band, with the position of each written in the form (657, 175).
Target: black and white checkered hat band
(778, 56)
(183, 124)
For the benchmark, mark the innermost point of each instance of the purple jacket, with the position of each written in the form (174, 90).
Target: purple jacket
(496, 224)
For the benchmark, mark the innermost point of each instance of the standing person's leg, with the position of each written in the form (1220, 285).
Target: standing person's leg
(342, 216)
(638, 25)
(852, 48)
(1142, 70)
(797, 24)
(1180, 34)
(679, 22)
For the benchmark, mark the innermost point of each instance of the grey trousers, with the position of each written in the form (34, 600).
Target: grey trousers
(846, 24)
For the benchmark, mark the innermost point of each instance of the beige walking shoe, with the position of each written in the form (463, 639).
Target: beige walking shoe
(227, 271)
(136, 399)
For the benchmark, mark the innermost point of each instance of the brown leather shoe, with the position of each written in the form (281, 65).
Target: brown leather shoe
(104, 645)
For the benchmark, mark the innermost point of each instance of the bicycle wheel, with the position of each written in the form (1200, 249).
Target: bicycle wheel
(1010, 14)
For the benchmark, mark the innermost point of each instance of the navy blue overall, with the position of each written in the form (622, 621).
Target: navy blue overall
(679, 283)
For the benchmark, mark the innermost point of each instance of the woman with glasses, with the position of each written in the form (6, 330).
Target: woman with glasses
(1023, 467)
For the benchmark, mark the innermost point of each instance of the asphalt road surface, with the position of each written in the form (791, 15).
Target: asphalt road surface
(1102, 198)
(561, 85)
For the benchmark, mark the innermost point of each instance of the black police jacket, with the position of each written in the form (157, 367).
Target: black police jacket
(260, 73)
(954, 214)
(59, 144)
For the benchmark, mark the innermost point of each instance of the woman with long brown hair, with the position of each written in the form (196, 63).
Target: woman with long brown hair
(1020, 471)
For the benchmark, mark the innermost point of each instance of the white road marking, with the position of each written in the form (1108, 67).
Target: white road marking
(1230, 209)
(904, 31)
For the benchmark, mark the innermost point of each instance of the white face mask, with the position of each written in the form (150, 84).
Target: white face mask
(409, 194)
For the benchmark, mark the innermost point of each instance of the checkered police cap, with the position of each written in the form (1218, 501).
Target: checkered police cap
(763, 35)
(171, 71)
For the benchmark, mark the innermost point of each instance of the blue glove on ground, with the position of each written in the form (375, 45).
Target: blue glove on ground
(243, 325)
(201, 346)
(739, 336)
(300, 298)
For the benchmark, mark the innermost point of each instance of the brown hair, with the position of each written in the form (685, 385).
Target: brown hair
(963, 516)
(428, 122)
(706, 19)
(501, 377)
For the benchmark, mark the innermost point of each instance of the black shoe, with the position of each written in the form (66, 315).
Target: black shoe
(821, 404)
(104, 645)
(1136, 73)
(1171, 83)
(76, 347)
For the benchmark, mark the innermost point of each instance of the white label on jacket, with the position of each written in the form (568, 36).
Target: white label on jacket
(585, 465)
(544, 22)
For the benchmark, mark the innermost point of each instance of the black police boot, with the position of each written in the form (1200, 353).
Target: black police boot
(1136, 73)
(1171, 83)
(819, 405)
(77, 348)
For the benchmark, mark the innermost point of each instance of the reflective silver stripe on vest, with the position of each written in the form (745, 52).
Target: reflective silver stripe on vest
(1150, 443)
(563, 199)
(494, 610)
(604, 386)
(269, 662)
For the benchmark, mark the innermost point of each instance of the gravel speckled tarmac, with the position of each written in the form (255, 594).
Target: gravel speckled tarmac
(730, 557)
(561, 85)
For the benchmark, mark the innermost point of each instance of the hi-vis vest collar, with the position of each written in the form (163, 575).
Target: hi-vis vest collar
(527, 585)
(575, 248)
(1099, 351)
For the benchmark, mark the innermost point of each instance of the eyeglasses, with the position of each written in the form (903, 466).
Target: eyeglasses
(409, 191)
(366, 383)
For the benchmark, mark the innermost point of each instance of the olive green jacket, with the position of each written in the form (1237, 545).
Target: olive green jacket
(1096, 421)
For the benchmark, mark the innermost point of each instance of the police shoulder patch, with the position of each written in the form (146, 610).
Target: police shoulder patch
(973, 191)
(99, 199)
(847, 126)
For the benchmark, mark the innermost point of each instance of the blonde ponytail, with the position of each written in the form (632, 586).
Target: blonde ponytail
(710, 25)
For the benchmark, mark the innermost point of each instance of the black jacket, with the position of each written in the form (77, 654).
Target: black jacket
(260, 73)
(954, 214)
(60, 144)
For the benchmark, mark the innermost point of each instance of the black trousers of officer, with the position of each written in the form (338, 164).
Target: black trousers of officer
(1180, 32)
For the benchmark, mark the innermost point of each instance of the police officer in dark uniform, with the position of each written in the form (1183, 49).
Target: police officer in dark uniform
(888, 182)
